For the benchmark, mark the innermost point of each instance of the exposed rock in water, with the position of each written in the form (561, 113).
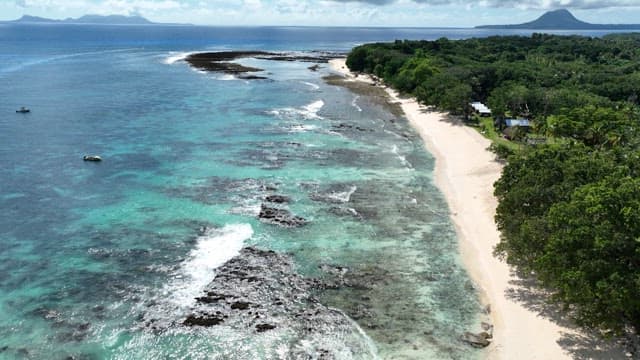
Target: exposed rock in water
(227, 67)
(222, 61)
(314, 67)
(281, 217)
(343, 127)
(277, 199)
(376, 94)
(362, 278)
(204, 320)
(269, 187)
(264, 327)
(316, 57)
(480, 340)
(260, 291)
(240, 305)
(253, 77)
(224, 56)
(488, 328)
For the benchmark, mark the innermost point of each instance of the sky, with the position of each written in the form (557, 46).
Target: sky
(393, 13)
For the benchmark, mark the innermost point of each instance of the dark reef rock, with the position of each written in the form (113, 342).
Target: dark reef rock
(480, 340)
(225, 67)
(269, 187)
(204, 320)
(223, 61)
(264, 327)
(253, 77)
(281, 217)
(343, 127)
(225, 55)
(361, 278)
(260, 291)
(240, 305)
(277, 199)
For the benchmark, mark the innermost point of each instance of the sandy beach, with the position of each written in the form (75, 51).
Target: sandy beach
(524, 326)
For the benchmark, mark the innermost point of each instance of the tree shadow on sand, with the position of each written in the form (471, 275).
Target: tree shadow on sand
(582, 344)
(446, 117)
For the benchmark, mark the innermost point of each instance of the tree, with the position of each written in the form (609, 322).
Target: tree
(594, 126)
(531, 183)
(456, 98)
(593, 254)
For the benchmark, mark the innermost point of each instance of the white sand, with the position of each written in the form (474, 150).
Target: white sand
(465, 172)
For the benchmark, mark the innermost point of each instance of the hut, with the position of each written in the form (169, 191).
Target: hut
(481, 109)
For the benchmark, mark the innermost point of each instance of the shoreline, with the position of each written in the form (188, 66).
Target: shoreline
(525, 327)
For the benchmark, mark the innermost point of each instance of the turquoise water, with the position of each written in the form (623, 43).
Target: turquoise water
(91, 253)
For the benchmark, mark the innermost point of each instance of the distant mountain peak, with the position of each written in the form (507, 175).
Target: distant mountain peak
(561, 19)
(89, 19)
(29, 18)
(112, 19)
(560, 12)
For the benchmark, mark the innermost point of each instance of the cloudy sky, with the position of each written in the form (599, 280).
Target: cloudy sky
(427, 13)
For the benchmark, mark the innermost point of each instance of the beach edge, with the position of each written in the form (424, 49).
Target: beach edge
(465, 171)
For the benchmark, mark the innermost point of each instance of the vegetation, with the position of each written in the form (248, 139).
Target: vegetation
(569, 209)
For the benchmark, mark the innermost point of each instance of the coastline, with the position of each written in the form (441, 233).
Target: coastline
(525, 327)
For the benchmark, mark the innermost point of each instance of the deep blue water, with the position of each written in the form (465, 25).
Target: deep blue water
(89, 250)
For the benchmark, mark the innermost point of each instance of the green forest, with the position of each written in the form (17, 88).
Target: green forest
(569, 205)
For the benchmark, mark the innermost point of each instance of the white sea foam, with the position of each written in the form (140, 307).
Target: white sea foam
(213, 249)
(40, 60)
(312, 85)
(226, 77)
(354, 103)
(369, 343)
(402, 158)
(175, 57)
(300, 128)
(294, 115)
(312, 109)
(342, 196)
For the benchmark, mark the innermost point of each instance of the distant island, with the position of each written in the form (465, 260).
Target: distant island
(89, 19)
(561, 20)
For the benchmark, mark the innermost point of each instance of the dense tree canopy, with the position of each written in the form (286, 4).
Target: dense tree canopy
(536, 75)
(569, 210)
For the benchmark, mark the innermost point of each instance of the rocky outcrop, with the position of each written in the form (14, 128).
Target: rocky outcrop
(281, 217)
(481, 339)
(344, 127)
(222, 61)
(259, 291)
(277, 199)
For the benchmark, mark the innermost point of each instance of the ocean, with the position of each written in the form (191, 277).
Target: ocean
(121, 259)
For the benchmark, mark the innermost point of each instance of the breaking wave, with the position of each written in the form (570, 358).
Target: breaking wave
(213, 249)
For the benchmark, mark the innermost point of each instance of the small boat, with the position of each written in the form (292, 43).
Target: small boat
(23, 110)
(92, 158)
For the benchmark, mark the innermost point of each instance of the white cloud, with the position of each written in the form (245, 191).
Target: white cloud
(463, 13)
(103, 7)
(519, 4)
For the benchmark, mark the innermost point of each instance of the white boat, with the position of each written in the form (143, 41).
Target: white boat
(92, 158)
